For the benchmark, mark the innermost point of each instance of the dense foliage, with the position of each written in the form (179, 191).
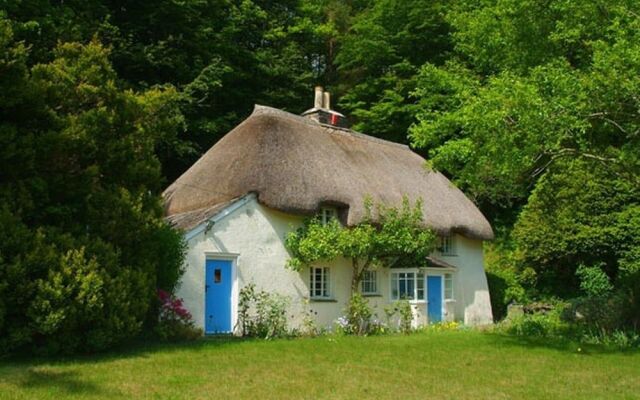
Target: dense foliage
(390, 237)
(535, 115)
(530, 107)
(82, 241)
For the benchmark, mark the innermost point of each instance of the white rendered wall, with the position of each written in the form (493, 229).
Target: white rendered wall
(256, 234)
(471, 293)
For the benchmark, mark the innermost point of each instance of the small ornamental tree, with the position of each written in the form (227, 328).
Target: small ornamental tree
(395, 236)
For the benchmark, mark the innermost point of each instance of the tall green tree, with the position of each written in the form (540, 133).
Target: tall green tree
(223, 56)
(84, 244)
(378, 59)
(537, 109)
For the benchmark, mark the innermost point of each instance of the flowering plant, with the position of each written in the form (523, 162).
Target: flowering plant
(174, 321)
(172, 308)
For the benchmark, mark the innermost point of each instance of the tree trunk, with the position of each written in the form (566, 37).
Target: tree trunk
(358, 273)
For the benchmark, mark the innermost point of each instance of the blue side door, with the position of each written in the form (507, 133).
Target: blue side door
(218, 284)
(434, 298)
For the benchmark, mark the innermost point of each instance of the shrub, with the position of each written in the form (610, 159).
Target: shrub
(63, 294)
(619, 339)
(262, 314)
(402, 311)
(174, 321)
(594, 282)
(358, 315)
(629, 300)
(504, 288)
(539, 324)
(83, 241)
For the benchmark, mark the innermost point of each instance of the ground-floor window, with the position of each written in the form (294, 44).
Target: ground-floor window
(448, 287)
(319, 283)
(407, 286)
(370, 282)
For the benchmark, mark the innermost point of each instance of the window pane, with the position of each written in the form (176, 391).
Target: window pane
(319, 282)
(410, 287)
(448, 286)
(394, 286)
(402, 283)
(369, 284)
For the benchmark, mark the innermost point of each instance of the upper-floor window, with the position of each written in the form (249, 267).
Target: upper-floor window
(447, 245)
(328, 214)
(370, 282)
(320, 283)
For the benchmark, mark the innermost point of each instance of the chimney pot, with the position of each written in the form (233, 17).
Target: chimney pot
(322, 112)
(318, 100)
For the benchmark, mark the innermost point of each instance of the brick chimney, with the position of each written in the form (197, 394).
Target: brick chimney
(322, 111)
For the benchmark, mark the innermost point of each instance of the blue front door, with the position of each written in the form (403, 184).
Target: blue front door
(217, 309)
(434, 298)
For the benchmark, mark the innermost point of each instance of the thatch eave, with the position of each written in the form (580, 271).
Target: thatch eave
(296, 165)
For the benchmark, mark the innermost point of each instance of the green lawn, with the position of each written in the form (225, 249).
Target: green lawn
(460, 365)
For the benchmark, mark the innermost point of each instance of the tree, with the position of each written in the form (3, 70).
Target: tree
(396, 236)
(578, 214)
(378, 58)
(84, 244)
(497, 120)
(222, 56)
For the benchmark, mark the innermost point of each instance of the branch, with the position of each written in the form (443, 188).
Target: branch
(566, 152)
(603, 116)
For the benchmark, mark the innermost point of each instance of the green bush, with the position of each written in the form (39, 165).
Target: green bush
(504, 288)
(594, 282)
(539, 324)
(71, 295)
(618, 339)
(359, 315)
(83, 241)
(262, 314)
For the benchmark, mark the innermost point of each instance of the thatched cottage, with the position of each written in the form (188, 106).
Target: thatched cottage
(236, 204)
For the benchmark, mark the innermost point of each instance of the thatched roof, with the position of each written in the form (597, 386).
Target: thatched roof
(295, 165)
(190, 219)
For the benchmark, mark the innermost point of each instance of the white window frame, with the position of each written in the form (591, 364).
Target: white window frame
(327, 214)
(418, 285)
(447, 245)
(370, 277)
(325, 283)
(448, 293)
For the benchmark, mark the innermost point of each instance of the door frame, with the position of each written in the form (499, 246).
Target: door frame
(443, 305)
(223, 256)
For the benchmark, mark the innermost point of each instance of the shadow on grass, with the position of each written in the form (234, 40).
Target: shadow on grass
(557, 344)
(29, 372)
(67, 382)
(134, 349)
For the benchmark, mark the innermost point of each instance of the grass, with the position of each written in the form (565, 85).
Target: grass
(434, 365)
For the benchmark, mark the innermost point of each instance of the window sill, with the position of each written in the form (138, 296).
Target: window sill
(320, 300)
(413, 301)
(371, 295)
(449, 301)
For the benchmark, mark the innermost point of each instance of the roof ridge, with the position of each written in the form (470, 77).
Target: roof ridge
(260, 110)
